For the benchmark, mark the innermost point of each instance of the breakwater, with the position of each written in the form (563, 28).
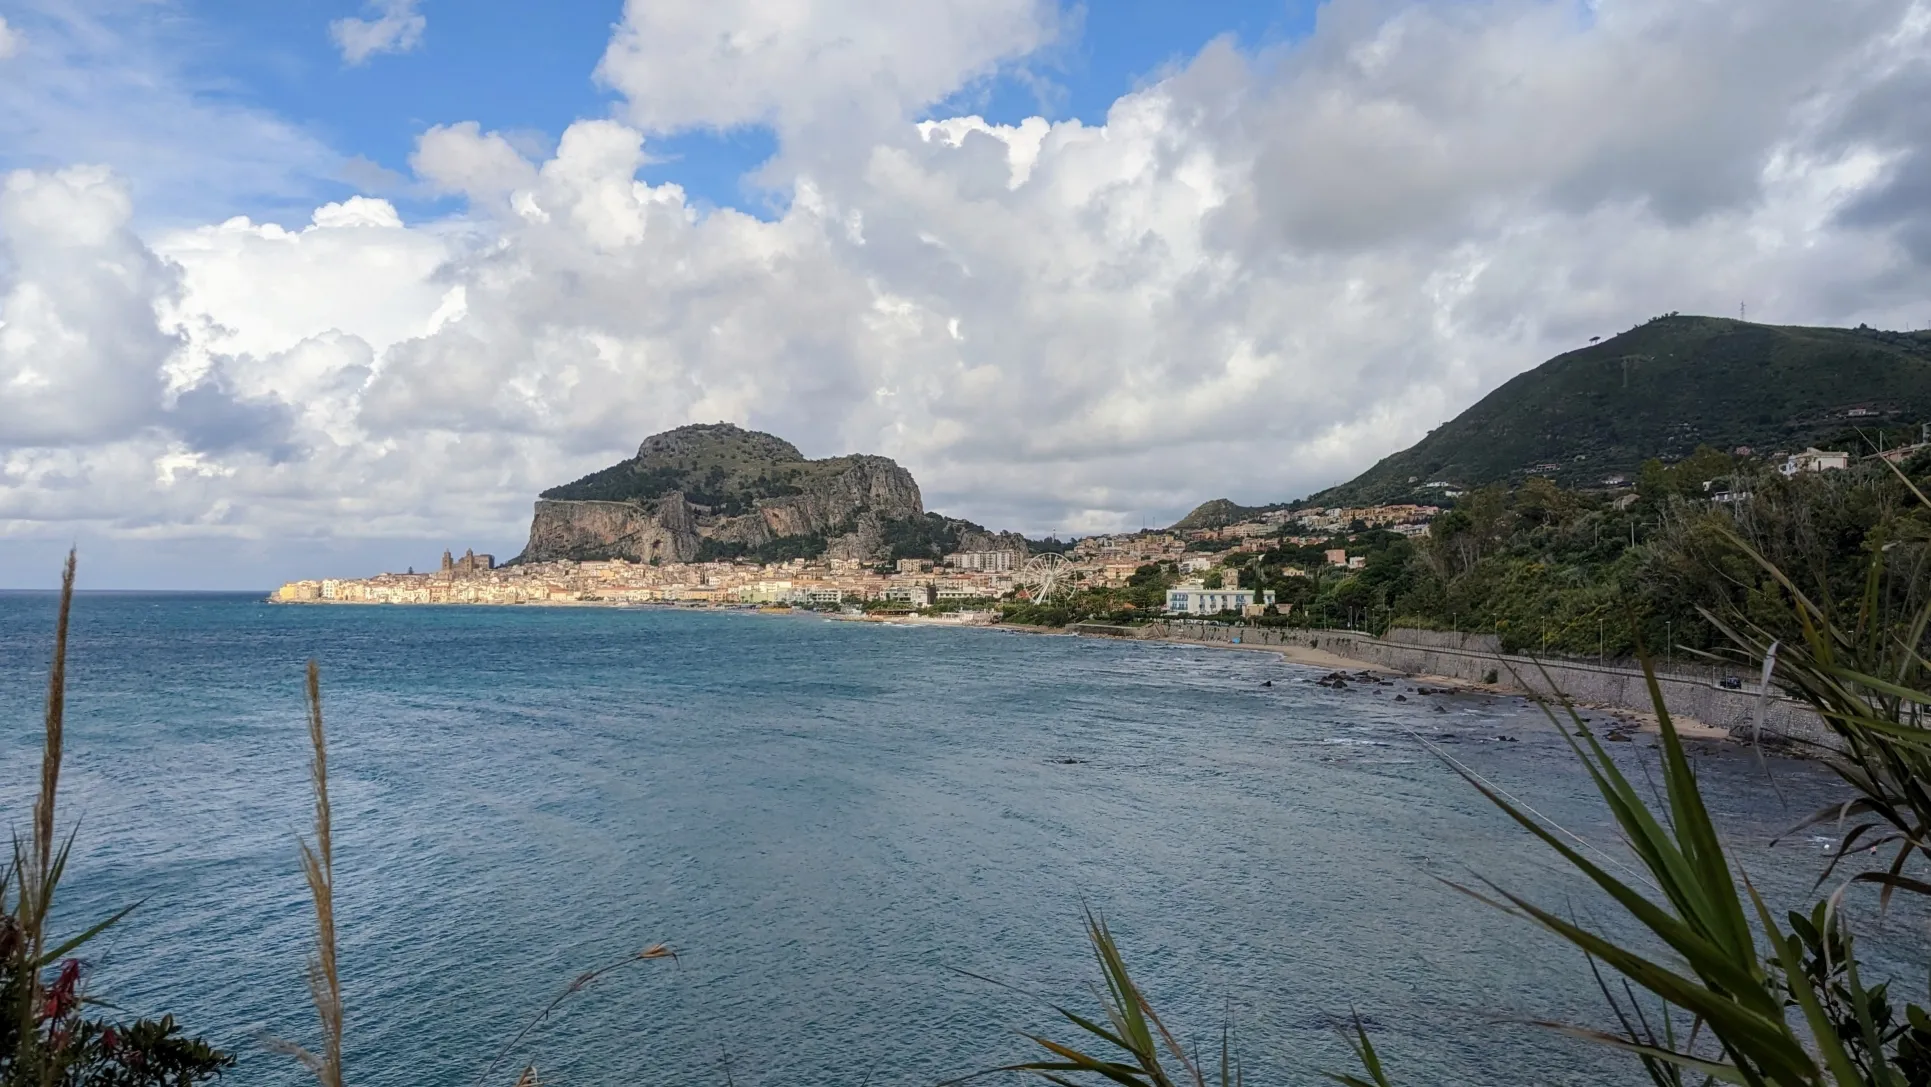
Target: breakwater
(1688, 691)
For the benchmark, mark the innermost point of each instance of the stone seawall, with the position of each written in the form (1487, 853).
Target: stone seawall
(1686, 693)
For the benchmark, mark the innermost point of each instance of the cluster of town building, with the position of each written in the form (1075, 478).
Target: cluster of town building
(962, 578)
(616, 581)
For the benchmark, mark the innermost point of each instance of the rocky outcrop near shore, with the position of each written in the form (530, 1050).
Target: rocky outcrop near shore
(717, 491)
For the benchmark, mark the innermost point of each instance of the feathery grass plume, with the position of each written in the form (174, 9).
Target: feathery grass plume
(39, 869)
(318, 866)
(46, 1038)
(51, 751)
(39, 865)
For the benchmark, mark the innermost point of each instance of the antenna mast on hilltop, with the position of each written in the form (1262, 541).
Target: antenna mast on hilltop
(1626, 360)
(1743, 312)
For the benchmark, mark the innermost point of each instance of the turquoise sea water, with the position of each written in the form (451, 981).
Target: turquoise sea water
(828, 820)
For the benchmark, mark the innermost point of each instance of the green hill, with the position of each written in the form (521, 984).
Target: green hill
(1217, 513)
(1660, 390)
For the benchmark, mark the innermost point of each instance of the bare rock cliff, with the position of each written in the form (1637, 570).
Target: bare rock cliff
(587, 531)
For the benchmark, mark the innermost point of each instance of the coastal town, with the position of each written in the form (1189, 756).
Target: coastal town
(674, 542)
(965, 583)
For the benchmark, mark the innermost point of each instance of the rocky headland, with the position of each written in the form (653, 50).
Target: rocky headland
(718, 492)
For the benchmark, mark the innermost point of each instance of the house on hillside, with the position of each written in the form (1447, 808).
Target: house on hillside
(1903, 453)
(1721, 491)
(1815, 460)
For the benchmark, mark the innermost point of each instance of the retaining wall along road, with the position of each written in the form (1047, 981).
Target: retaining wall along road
(1471, 658)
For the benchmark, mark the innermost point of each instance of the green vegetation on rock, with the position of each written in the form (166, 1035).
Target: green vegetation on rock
(719, 466)
(781, 549)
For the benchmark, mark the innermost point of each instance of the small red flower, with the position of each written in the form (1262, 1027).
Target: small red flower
(64, 993)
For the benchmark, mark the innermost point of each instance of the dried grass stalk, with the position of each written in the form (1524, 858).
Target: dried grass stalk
(318, 866)
(578, 984)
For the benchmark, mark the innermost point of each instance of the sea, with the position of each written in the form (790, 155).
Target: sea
(871, 846)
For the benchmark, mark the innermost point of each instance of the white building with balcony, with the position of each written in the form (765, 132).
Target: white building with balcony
(1195, 600)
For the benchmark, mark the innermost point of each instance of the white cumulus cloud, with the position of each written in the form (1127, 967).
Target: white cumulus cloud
(81, 353)
(810, 63)
(460, 158)
(10, 39)
(395, 26)
(1253, 278)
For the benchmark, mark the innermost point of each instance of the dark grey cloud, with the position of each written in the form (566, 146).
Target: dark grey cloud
(210, 418)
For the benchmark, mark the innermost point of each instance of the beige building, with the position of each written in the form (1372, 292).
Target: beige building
(991, 562)
(1815, 460)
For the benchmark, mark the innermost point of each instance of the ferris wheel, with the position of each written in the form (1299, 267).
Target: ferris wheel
(1044, 575)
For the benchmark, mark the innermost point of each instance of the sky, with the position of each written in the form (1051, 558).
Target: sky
(323, 287)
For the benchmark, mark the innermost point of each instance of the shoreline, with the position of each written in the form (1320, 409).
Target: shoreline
(1644, 721)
